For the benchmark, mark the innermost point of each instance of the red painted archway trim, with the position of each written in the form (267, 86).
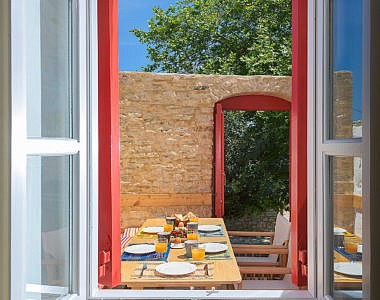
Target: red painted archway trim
(241, 102)
(255, 102)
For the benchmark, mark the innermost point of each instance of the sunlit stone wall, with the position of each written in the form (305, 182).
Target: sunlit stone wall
(166, 138)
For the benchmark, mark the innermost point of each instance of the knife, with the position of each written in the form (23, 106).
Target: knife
(206, 269)
(145, 266)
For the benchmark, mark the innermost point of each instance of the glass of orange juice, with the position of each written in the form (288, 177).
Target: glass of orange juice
(192, 231)
(198, 253)
(168, 227)
(193, 220)
(351, 247)
(192, 236)
(161, 245)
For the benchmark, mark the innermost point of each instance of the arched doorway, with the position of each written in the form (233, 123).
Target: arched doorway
(241, 102)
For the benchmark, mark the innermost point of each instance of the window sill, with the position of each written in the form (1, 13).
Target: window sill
(201, 294)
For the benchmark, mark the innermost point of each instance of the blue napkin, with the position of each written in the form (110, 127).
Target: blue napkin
(149, 256)
(349, 256)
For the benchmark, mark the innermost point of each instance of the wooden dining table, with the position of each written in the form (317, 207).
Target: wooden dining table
(225, 271)
(345, 282)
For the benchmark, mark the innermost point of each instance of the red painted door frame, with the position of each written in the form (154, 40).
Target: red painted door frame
(298, 143)
(242, 102)
(218, 161)
(109, 161)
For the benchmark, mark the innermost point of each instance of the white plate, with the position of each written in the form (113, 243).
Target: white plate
(348, 268)
(152, 229)
(140, 249)
(208, 228)
(177, 246)
(213, 247)
(339, 230)
(176, 268)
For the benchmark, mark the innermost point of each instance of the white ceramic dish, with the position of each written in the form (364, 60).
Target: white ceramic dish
(348, 268)
(140, 249)
(208, 228)
(214, 247)
(177, 246)
(176, 268)
(152, 229)
(338, 230)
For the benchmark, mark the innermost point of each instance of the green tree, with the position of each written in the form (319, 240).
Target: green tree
(256, 163)
(241, 37)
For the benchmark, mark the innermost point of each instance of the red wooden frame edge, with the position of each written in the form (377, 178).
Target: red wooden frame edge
(109, 161)
(298, 140)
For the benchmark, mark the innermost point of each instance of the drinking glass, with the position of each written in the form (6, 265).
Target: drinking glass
(198, 253)
(170, 220)
(161, 245)
(168, 227)
(192, 231)
(351, 246)
(193, 219)
(189, 245)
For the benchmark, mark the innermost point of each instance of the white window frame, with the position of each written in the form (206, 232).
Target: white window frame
(318, 88)
(23, 146)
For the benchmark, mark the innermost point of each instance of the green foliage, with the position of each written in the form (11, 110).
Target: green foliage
(256, 163)
(241, 37)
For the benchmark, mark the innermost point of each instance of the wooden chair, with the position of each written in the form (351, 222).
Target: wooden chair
(272, 266)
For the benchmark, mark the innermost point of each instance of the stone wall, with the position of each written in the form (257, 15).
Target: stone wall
(346, 170)
(248, 222)
(166, 138)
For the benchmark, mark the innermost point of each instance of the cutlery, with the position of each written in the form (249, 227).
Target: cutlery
(145, 266)
(205, 268)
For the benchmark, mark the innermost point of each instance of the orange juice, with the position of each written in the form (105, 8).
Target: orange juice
(198, 253)
(168, 227)
(192, 236)
(161, 247)
(351, 247)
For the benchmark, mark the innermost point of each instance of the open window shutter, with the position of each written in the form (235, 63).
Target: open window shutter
(219, 162)
(109, 161)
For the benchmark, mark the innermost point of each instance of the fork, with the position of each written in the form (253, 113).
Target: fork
(145, 266)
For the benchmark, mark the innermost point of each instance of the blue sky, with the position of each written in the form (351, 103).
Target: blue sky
(135, 14)
(347, 36)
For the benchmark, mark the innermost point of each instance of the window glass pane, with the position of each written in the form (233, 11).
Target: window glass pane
(49, 39)
(346, 256)
(48, 214)
(346, 106)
